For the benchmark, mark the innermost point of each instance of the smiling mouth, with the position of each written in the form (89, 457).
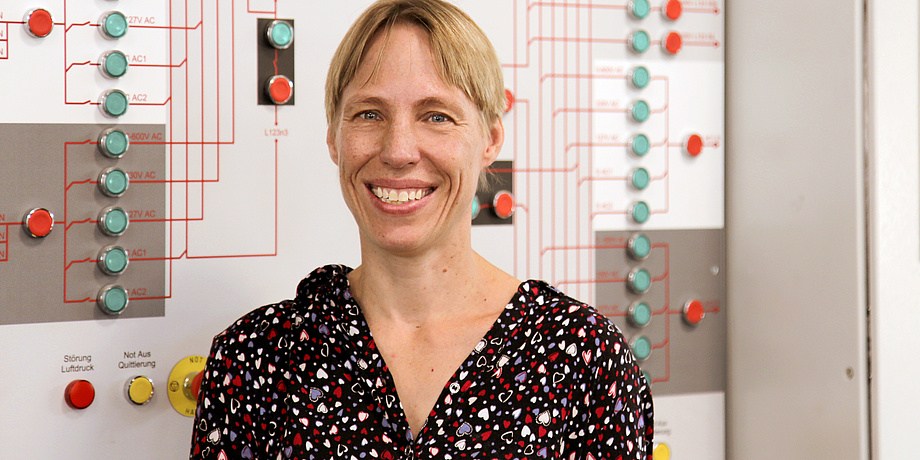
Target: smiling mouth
(400, 196)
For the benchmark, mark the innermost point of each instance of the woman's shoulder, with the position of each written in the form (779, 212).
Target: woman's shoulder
(542, 301)
(569, 325)
(318, 292)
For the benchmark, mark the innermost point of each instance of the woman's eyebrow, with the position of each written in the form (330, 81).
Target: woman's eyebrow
(367, 100)
(435, 101)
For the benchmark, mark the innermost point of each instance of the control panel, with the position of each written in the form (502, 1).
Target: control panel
(164, 171)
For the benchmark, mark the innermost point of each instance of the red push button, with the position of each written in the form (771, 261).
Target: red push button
(673, 43)
(673, 9)
(693, 312)
(693, 144)
(79, 394)
(509, 100)
(196, 385)
(38, 23)
(503, 204)
(38, 222)
(280, 89)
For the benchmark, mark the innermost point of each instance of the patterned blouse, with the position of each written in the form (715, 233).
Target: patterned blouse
(303, 379)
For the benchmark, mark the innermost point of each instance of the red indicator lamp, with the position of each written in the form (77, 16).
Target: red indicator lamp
(79, 394)
(279, 89)
(673, 9)
(693, 312)
(38, 222)
(503, 204)
(509, 100)
(673, 42)
(693, 145)
(38, 22)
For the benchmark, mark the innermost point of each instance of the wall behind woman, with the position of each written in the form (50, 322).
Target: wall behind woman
(894, 224)
(824, 234)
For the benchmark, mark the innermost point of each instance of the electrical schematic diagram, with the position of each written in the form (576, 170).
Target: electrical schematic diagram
(617, 129)
(164, 171)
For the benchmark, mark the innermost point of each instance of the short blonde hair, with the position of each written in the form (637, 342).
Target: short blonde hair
(461, 51)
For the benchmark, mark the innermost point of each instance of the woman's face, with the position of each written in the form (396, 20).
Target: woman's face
(409, 147)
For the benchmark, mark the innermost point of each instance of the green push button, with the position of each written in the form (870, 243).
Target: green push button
(113, 143)
(114, 64)
(640, 9)
(639, 280)
(639, 247)
(114, 103)
(640, 77)
(639, 41)
(640, 111)
(113, 221)
(113, 182)
(640, 178)
(477, 206)
(113, 24)
(639, 144)
(639, 314)
(113, 260)
(641, 348)
(640, 212)
(113, 299)
(280, 34)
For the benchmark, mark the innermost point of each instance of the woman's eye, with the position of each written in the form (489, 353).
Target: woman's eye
(439, 118)
(368, 115)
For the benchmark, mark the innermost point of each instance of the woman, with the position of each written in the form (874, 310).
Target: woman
(418, 352)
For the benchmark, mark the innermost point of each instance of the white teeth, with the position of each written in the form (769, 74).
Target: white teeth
(392, 196)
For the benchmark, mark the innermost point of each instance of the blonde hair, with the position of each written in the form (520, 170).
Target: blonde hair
(461, 51)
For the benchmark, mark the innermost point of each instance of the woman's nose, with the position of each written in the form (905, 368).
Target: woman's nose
(400, 147)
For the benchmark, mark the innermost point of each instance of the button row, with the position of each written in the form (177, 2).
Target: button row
(640, 9)
(502, 205)
(184, 387)
(639, 281)
(639, 42)
(113, 221)
(80, 394)
(39, 23)
(280, 35)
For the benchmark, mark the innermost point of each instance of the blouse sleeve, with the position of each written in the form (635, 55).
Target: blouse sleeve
(621, 406)
(242, 386)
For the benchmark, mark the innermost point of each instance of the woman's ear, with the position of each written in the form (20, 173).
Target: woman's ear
(496, 138)
(330, 143)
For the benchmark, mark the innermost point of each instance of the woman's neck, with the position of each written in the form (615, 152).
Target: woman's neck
(429, 287)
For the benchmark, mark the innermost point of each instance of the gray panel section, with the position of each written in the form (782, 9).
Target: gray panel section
(56, 166)
(685, 265)
(795, 215)
(502, 179)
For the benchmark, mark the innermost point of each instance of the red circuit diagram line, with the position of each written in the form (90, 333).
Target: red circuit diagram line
(187, 143)
(616, 7)
(274, 11)
(5, 46)
(576, 147)
(5, 253)
(573, 168)
(275, 253)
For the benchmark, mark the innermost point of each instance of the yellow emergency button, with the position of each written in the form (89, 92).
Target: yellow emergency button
(139, 390)
(662, 452)
(181, 391)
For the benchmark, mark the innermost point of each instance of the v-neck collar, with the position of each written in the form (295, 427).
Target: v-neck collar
(369, 363)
